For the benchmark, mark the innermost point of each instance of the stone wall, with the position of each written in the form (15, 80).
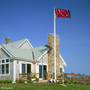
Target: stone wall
(51, 54)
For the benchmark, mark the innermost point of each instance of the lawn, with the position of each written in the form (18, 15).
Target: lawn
(43, 86)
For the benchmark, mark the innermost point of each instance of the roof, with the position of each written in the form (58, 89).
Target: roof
(14, 44)
(24, 53)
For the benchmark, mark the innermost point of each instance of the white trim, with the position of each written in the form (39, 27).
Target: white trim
(24, 42)
(62, 68)
(64, 63)
(22, 62)
(6, 51)
(29, 43)
(20, 67)
(42, 55)
(14, 70)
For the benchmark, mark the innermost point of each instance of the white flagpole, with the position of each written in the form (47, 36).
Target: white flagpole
(55, 43)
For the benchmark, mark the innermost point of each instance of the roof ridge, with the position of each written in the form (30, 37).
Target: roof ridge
(14, 42)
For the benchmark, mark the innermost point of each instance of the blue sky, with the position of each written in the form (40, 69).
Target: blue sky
(34, 19)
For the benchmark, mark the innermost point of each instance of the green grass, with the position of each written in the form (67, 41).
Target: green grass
(43, 86)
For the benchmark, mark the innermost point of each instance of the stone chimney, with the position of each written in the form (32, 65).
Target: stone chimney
(7, 40)
(51, 54)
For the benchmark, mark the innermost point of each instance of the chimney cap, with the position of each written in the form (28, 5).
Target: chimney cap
(7, 38)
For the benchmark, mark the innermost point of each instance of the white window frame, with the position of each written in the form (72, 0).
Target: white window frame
(62, 68)
(43, 65)
(5, 67)
(22, 62)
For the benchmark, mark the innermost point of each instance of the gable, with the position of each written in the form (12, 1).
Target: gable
(62, 62)
(3, 54)
(25, 45)
(45, 59)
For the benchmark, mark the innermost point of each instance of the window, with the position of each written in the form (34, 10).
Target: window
(7, 68)
(4, 66)
(3, 61)
(7, 60)
(23, 68)
(40, 71)
(2, 69)
(60, 70)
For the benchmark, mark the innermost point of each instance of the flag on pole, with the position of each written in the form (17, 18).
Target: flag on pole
(62, 13)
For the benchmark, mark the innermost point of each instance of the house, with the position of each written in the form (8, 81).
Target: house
(21, 57)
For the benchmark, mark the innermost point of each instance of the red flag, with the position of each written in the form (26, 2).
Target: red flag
(62, 13)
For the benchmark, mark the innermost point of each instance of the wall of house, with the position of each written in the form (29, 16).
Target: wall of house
(33, 68)
(10, 75)
(4, 55)
(45, 59)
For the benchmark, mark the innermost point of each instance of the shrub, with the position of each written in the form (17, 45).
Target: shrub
(71, 82)
(66, 81)
(33, 77)
(28, 81)
(19, 81)
(59, 82)
(5, 81)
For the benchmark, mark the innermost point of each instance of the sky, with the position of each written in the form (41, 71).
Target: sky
(34, 19)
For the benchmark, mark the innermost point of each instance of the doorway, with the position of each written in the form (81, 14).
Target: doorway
(28, 68)
(44, 72)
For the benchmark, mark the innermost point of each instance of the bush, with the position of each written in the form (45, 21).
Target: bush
(19, 81)
(66, 81)
(5, 81)
(28, 81)
(33, 77)
(59, 82)
(69, 82)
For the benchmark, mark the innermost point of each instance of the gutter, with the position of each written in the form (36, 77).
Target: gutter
(22, 59)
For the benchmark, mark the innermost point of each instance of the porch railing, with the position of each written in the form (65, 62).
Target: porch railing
(68, 76)
(28, 76)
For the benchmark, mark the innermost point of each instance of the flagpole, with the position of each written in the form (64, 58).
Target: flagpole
(54, 43)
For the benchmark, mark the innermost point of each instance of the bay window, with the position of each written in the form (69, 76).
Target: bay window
(4, 66)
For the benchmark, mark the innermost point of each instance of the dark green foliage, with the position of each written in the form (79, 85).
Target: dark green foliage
(20, 81)
(70, 82)
(33, 77)
(59, 82)
(28, 81)
(5, 81)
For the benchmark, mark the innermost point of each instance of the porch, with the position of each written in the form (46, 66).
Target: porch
(60, 76)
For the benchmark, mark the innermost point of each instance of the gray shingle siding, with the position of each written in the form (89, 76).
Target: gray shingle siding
(3, 54)
(10, 76)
